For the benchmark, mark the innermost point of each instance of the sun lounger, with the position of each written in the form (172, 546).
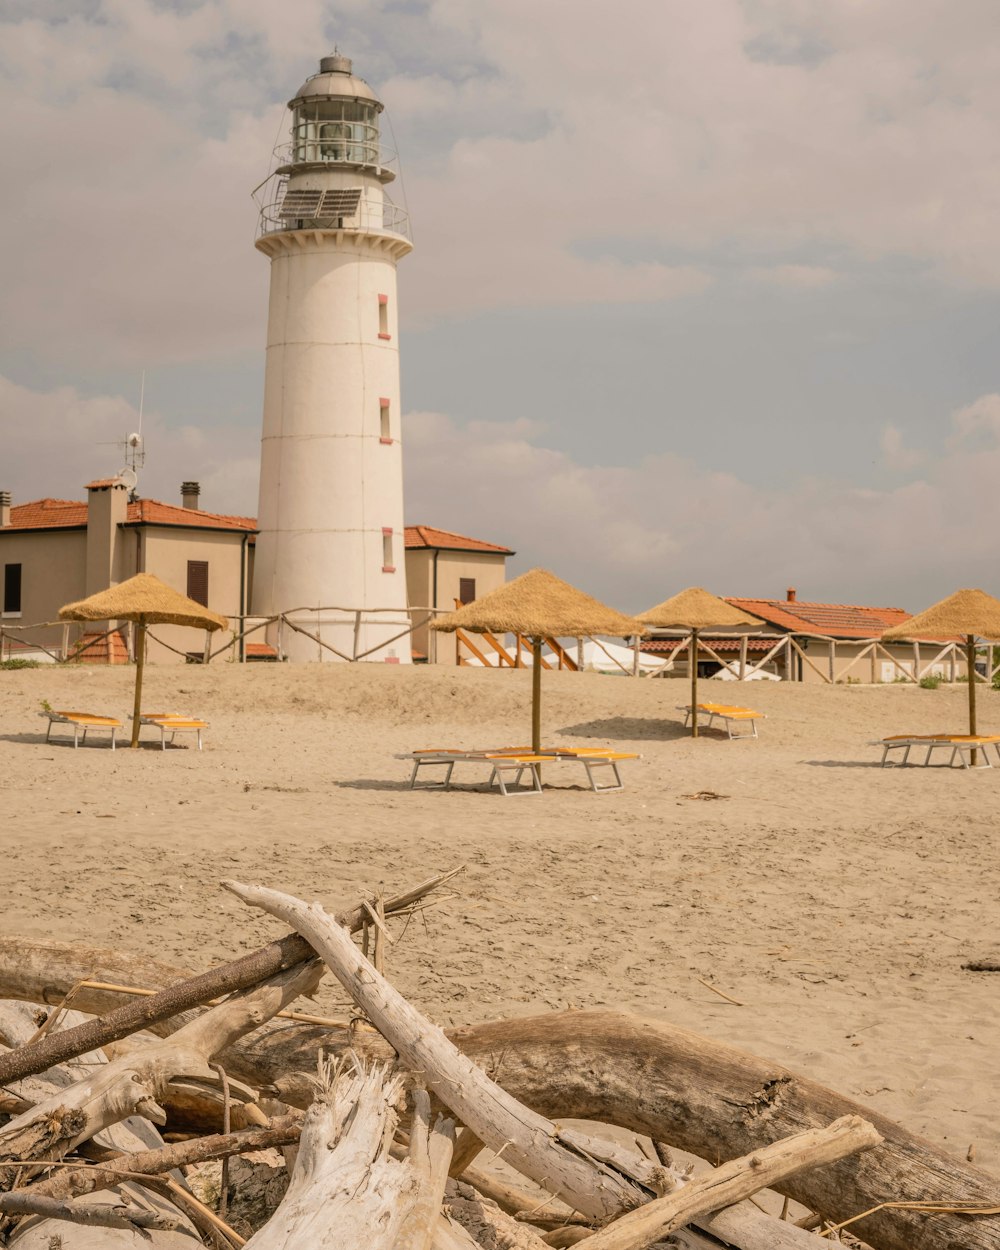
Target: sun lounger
(506, 768)
(169, 723)
(82, 721)
(506, 760)
(961, 747)
(729, 715)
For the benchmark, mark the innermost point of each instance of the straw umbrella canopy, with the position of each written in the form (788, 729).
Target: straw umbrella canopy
(973, 613)
(147, 601)
(539, 605)
(696, 610)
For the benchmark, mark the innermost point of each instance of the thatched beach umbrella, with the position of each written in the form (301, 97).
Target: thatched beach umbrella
(147, 601)
(539, 605)
(973, 613)
(695, 609)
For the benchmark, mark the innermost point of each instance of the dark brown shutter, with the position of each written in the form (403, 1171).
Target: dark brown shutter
(198, 581)
(467, 589)
(12, 588)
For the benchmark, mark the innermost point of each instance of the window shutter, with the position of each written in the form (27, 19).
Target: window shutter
(12, 588)
(467, 589)
(197, 587)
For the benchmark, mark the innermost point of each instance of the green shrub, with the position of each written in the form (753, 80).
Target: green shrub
(931, 681)
(12, 664)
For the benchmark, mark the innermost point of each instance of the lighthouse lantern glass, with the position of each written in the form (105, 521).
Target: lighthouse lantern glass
(336, 130)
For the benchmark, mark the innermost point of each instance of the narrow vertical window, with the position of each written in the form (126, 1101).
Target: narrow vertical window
(467, 589)
(383, 317)
(387, 561)
(385, 428)
(197, 581)
(11, 588)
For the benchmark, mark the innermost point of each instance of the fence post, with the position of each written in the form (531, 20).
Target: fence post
(207, 650)
(635, 655)
(357, 632)
(743, 658)
(280, 640)
(874, 664)
(833, 661)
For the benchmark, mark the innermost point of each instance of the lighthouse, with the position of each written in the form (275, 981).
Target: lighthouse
(330, 551)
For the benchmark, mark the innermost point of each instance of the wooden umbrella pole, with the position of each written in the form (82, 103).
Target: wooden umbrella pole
(536, 695)
(970, 652)
(693, 661)
(140, 659)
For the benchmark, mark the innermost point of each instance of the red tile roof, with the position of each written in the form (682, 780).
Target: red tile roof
(152, 512)
(48, 514)
(68, 514)
(102, 482)
(836, 620)
(666, 645)
(423, 536)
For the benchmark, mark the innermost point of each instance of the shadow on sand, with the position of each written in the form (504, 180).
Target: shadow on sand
(636, 730)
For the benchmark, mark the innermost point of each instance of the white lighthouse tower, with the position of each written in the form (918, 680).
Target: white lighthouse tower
(330, 552)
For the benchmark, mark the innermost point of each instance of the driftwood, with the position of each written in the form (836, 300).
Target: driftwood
(192, 992)
(735, 1180)
(347, 1190)
(528, 1140)
(135, 1083)
(642, 1075)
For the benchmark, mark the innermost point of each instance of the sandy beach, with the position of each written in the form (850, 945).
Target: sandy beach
(834, 900)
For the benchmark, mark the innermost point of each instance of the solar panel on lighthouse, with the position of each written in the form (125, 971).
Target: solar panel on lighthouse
(342, 202)
(300, 204)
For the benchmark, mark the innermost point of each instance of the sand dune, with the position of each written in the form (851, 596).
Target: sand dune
(834, 900)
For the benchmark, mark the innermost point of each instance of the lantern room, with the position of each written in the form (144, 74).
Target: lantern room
(335, 118)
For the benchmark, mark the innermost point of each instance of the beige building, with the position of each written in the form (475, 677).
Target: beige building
(443, 570)
(54, 551)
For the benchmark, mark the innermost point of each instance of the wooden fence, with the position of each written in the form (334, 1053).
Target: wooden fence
(788, 650)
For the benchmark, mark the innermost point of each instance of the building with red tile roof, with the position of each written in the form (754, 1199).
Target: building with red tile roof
(832, 642)
(54, 551)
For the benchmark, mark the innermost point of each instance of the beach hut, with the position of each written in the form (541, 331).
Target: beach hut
(696, 610)
(147, 601)
(539, 605)
(972, 613)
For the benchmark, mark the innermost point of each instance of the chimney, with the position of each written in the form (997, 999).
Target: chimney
(790, 594)
(4, 508)
(189, 494)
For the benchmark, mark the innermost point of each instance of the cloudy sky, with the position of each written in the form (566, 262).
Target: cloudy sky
(704, 291)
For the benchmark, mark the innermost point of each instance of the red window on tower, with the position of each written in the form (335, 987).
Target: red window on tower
(383, 317)
(385, 427)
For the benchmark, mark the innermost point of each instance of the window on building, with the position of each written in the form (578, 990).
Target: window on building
(383, 317)
(11, 588)
(385, 432)
(388, 566)
(467, 589)
(197, 584)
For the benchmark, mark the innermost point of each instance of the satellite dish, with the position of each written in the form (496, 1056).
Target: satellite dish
(128, 478)
(134, 440)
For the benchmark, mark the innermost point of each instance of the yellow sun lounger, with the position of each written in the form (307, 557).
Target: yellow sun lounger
(724, 712)
(168, 723)
(507, 760)
(506, 769)
(961, 747)
(84, 721)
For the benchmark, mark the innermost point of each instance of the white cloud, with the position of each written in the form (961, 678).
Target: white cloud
(977, 422)
(549, 170)
(635, 535)
(896, 455)
(57, 441)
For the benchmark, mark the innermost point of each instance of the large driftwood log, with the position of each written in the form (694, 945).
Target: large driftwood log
(528, 1140)
(135, 1083)
(346, 1189)
(644, 1075)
